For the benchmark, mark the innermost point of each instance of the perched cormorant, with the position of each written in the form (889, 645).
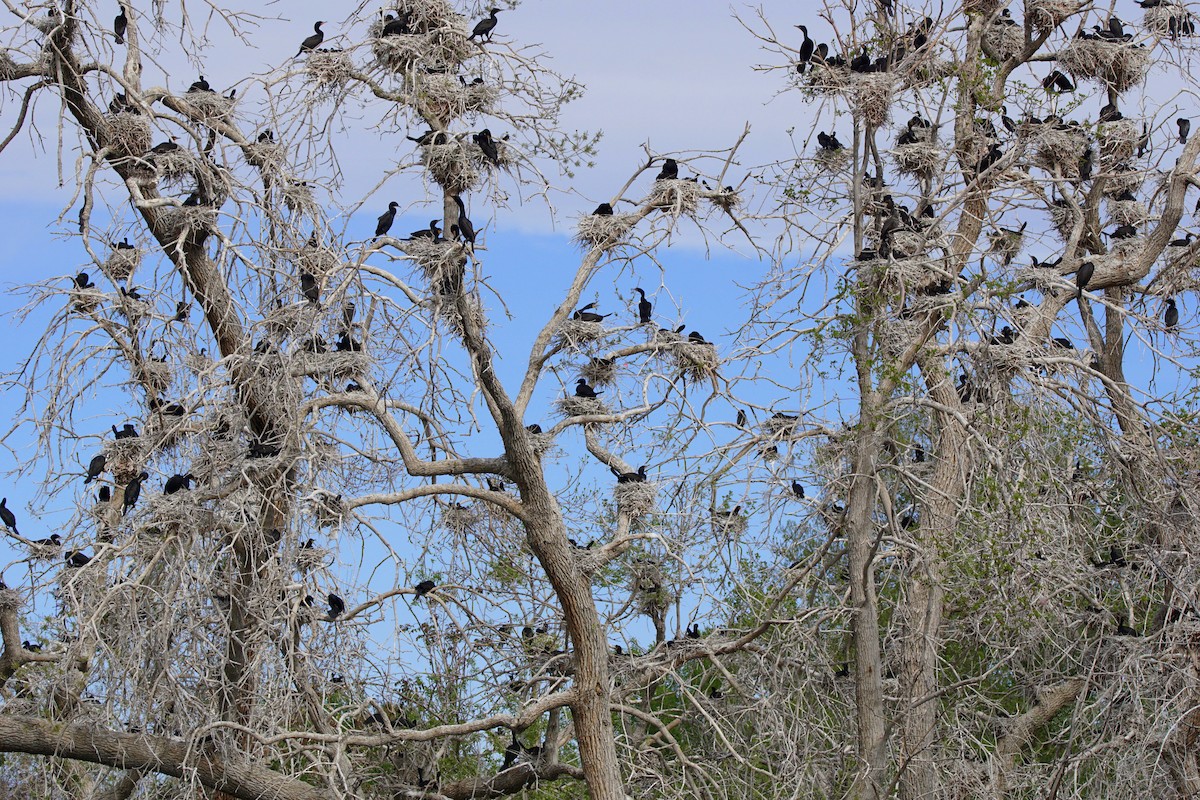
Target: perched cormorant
(603, 210)
(645, 308)
(1184, 242)
(77, 558)
(1171, 318)
(267, 137)
(200, 85)
(465, 228)
(1083, 276)
(1185, 127)
(425, 587)
(178, 483)
(104, 495)
(534, 428)
(798, 490)
(309, 287)
(181, 311)
(488, 145)
(7, 517)
(669, 171)
(432, 232)
(741, 418)
(583, 314)
(806, 50)
(54, 540)
(337, 606)
(127, 431)
(95, 467)
(695, 338)
(485, 27)
(384, 223)
(84, 281)
(312, 42)
(120, 25)
(348, 309)
(345, 344)
(629, 477)
(583, 390)
(397, 26)
(30, 646)
(133, 490)
(1056, 81)
(828, 141)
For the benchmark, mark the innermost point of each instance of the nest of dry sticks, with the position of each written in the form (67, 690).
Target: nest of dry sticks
(572, 406)
(1118, 141)
(727, 523)
(1064, 219)
(210, 105)
(132, 308)
(128, 133)
(338, 364)
(696, 360)
(914, 274)
(1005, 244)
(1122, 180)
(448, 308)
(574, 333)
(1002, 42)
(1059, 148)
(1046, 15)
(635, 498)
(832, 160)
(459, 518)
(873, 97)
(1167, 18)
(154, 374)
(780, 426)
(1127, 212)
(455, 165)
(174, 165)
(1119, 65)
(123, 458)
(599, 371)
(727, 198)
(329, 69)
(443, 262)
(451, 98)
(676, 196)
(328, 509)
(922, 159)
(597, 230)
(187, 220)
(86, 301)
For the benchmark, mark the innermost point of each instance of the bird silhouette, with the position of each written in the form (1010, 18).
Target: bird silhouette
(798, 490)
(1083, 276)
(669, 171)
(484, 27)
(488, 145)
(583, 390)
(133, 490)
(629, 477)
(425, 587)
(8, 517)
(1171, 317)
(584, 314)
(384, 223)
(603, 210)
(120, 25)
(178, 483)
(645, 308)
(806, 50)
(337, 606)
(1185, 127)
(77, 558)
(313, 41)
(465, 228)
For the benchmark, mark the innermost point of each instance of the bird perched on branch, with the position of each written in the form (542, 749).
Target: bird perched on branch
(95, 467)
(583, 390)
(127, 431)
(806, 50)
(583, 314)
(1171, 318)
(424, 587)
(77, 558)
(83, 281)
(384, 223)
(310, 288)
(484, 27)
(828, 141)
(432, 232)
(8, 517)
(1083, 276)
(313, 41)
(629, 477)
(398, 25)
(200, 85)
(120, 25)
(178, 483)
(798, 490)
(488, 145)
(645, 308)
(465, 228)
(337, 606)
(1057, 82)
(603, 210)
(1185, 127)
(669, 171)
(133, 490)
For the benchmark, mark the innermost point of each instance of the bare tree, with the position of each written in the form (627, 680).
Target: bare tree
(306, 573)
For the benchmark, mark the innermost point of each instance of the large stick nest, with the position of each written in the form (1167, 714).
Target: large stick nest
(599, 371)
(1168, 18)
(602, 231)
(210, 105)
(123, 458)
(1118, 141)
(449, 98)
(1126, 212)
(460, 519)
(447, 305)
(696, 360)
(635, 498)
(1119, 65)
(572, 406)
(1123, 180)
(1002, 42)
(328, 509)
(154, 374)
(186, 220)
(1059, 148)
(728, 523)
(676, 196)
(86, 301)
(922, 159)
(832, 160)
(1064, 219)
(128, 133)
(1046, 15)
(283, 321)
(780, 427)
(329, 68)
(909, 275)
(1005, 244)
(455, 165)
(873, 97)
(443, 262)
(574, 333)
(318, 260)
(337, 364)
(121, 263)
(174, 165)
(133, 309)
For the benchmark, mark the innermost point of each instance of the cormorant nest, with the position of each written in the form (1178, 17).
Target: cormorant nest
(328, 509)
(1167, 18)
(174, 165)
(286, 320)
(780, 427)
(873, 97)
(446, 305)
(541, 442)
(676, 196)
(86, 301)
(602, 231)
(913, 275)
(128, 133)
(340, 365)
(1126, 212)
(186, 220)
(599, 371)
(210, 105)
(329, 68)
(1046, 15)
(459, 519)
(443, 261)
(1118, 141)
(922, 159)
(574, 333)
(727, 523)
(1119, 65)
(832, 160)
(635, 498)
(457, 166)
(266, 155)
(1123, 179)
(298, 199)
(572, 406)
(1005, 244)
(1059, 148)
(1002, 42)
(696, 360)
(133, 309)
(123, 458)
(451, 98)
(1064, 218)
(318, 260)
(155, 374)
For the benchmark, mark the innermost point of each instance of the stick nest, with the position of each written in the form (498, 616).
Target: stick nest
(319, 261)
(123, 458)
(1064, 219)
(174, 165)
(922, 159)
(86, 301)
(677, 196)
(599, 371)
(777, 427)
(873, 97)
(832, 160)
(155, 374)
(328, 509)
(574, 333)
(459, 518)
(696, 360)
(1003, 42)
(442, 261)
(128, 133)
(210, 105)
(541, 442)
(1168, 18)
(450, 98)
(329, 68)
(1118, 141)
(341, 365)
(10, 599)
(1059, 149)
(572, 406)
(604, 232)
(913, 274)
(456, 166)
(635, 499)
(1122, 180)
(1046, 15)
(1127, 212)
(1006, 245)
(1119, 65)
(727, 523)
(133, 310)
(284, 321)
(187, 220)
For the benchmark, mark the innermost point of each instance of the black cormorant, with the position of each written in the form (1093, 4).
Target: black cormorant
(645, 308)
(312, 42)
(133, 491)
(488, 145)
(425, 587)
(465, 228)
(384, 223)
(669, 171)
(95, 467)
(603, 210)
(7, 516)
(485, 27)
(583, 390)
(120, 25)
(309, 287)
(432, 232)
(1171, 318)
(1083, 276)
(77, 558)
(584, 314)
(806, 49)
(200, 85)
(1185, 127)
(337, 606)
(629, 477)
(178, 483)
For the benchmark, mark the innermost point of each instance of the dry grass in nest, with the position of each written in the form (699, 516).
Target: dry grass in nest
(328, 509)
(448, 308)
(395, 53)
(426, 14)
(727, 198)
(214, 183)
(313, 558)
(1007, 357)
(832, 160)
(128, 134)
(1046, 15)
(1064, 219)
(666, 337)
(776, 427)
(340, 365)
(454, 165)
(1003, 42)
(121, 263)
(915, 274)
(155, 374)
(459, 519)
(677, 196)
(270, 156)
(897, 334)
(8, 67)
(1158, 19)
(727, 523)
(573, 333)
(1059, 149)
(1121, 181)
(1126, 212)
(284, 321)
(1119, 65)
(210, 105)
(164, 432)
(86, 301)
(10, 599)
(123, 459)
(450, 98)
(298, 199)
(985, 7)
(174, 165)
(329, 69)
(319, 261)
(922, 159)
(909, 244)
(823, 79)
(696, 360)
(635, 498)
(187, 220)
(1118, 141)
(1124, 248)
(133, 310)
(572, 406)
(873, 97)
(1005, 245)
(604, 231)
(442, 261)
(599, 371)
